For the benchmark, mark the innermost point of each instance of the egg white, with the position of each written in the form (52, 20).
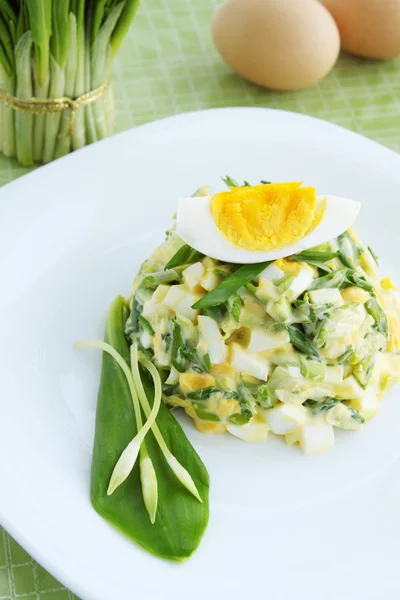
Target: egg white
(196, 226)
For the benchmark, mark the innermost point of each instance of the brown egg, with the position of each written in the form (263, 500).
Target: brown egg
(280, 44)
(369, 28)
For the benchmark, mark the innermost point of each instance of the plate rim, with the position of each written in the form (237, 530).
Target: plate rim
(10, 525)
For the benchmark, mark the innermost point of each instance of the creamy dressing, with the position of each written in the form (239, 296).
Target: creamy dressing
(248, 372)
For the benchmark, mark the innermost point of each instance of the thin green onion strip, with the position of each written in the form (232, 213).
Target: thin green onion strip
(128, 457)
(180, 472)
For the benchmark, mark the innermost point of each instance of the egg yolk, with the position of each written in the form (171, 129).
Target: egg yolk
(265, 217)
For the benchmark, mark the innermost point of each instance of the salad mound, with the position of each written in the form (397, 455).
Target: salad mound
(295, 346)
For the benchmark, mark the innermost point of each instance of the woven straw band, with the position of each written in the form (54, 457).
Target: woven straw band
(51, 106)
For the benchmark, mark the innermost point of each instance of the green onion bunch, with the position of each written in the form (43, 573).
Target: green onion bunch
(51, 49)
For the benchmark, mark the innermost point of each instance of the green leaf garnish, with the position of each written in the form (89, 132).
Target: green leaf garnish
(186, 255)
(180, 518)
(230, 285)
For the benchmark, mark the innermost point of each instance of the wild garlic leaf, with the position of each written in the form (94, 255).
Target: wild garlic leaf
(181, 519)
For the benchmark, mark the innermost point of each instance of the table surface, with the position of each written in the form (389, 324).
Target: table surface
(168, 65)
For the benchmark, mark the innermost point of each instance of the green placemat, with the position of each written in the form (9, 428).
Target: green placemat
(167, 66)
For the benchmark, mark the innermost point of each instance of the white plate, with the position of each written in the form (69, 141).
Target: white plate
(72, 236)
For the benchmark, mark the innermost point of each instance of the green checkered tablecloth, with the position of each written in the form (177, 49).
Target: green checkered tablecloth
(167, 66)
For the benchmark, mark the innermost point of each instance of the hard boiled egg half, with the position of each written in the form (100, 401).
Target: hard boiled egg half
(262, 222)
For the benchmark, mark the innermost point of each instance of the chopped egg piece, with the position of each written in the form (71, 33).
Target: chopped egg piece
(334, 374)
(192, 275)
(255, 431)
(195, 381)
(179, 300)
(355, 294)
(173, 377)
(301, 282)
(248, 371)
(243, 362)
(284, 418)
(367, 405)
(340, 416)
(271, 273)
(316, 436)
(261, 340)
(146, 339)
(213, 339)
(154, 307)
(388, 284)
(349, 389)
(326, 296)
(289, 397)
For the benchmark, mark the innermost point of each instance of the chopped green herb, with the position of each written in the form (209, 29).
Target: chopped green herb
(167, 338)
(231, 394)
(152, 280)
(245, 401)
(264, 397)
(147, 352)
(230, 182)
(202, 191)
(301, 342)
(374, 256)
(353, 278)
(230, 285)
(223, 270)
(177, 357)
(280, 310)
(346, 356)
(332, 280)
(356, 415)
(239, 419)
(251, 288)
(314, 255)
(234, 306)
(171, 390)
(284, 283)
(312, 369)
(214, 312)
(321, 334)
(322, 406)
(198, 364)
(373, 308)
(145, 325)
(362, 371)
(348, 251)
(319, 265)
(132, 322)
(202, 393)
(184, 256)
(345, 260)
(207, 362)
(205, 414)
